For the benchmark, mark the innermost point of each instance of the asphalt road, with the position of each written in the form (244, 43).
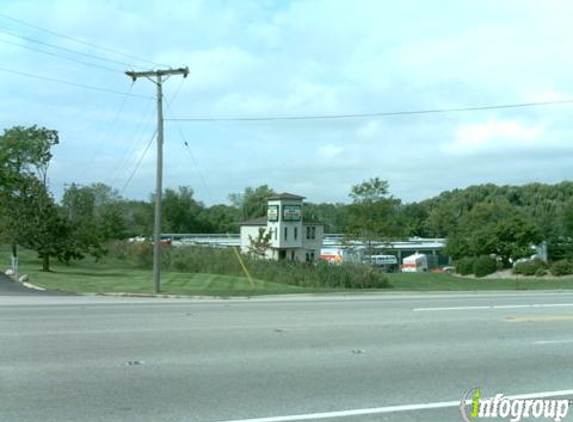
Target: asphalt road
(271, 359)
(10, 288)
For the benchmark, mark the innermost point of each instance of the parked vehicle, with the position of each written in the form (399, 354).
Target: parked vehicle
(417, 263)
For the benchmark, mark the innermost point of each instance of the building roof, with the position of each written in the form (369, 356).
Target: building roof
(262, 221)
(286, 195)
(259, 221)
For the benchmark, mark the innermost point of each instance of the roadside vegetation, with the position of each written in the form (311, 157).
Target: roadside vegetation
(488, 228)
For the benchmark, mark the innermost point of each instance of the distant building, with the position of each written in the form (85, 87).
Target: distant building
(291, 238)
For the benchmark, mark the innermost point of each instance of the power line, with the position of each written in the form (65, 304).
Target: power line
(76, 40)
(111, 129)
(95, 88)
(138, 162)
(188, 149)
(139, 133)
(62, 57)
(365, 115)
(69, 50)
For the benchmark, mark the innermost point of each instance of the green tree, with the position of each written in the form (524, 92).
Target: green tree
(86, 235)
(259, 245)
(223, 218)
(24, 160)
(40, 226)
(252, 202)
(372, 214)
(182, 213)
(494, 228)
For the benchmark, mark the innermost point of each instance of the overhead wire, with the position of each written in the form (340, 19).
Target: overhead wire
(208, 190)
(62, 57)
(76, 40)
(69, 50)
(143, 154)
(105, 138)
(139, 132)
(374, 114)
(75, 84)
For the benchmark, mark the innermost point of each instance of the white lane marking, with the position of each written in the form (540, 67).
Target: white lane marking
(470, 308)
(553, 341)
(393, 409)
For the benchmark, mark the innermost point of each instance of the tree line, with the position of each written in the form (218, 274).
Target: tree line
(478, 220)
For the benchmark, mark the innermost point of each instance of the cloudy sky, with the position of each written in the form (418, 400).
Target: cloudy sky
(294, 58)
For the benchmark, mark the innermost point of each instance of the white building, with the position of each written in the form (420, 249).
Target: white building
(290, 237)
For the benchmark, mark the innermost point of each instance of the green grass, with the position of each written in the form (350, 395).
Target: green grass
(447, 282)
(116, 276)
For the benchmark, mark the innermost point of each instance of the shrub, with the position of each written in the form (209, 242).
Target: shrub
(529, 267)
(484, 265)
(210, 260)
(541, 272)
(561, 268)
(465, 266)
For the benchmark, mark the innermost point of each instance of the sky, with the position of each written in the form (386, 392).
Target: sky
(293, 58)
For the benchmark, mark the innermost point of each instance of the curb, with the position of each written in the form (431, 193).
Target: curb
(32, 286)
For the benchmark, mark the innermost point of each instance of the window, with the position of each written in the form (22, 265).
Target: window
(313, 232)
(286, 233)
(309, 256)
(295, 233)
(307, 232)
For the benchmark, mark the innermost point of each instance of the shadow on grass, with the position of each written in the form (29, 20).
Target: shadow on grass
(90, 274)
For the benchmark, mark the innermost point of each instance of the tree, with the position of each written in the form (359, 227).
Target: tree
(39, 225)
(259, 246)
(86, 235)
(181, 213)
(372, 214)
(24, 161)
(223, 218)
(494, 228)
(252, 202)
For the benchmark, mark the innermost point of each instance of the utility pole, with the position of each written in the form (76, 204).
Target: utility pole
(158, 74)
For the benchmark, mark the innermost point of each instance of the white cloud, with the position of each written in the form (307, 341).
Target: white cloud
(329, 151)
(494, 136)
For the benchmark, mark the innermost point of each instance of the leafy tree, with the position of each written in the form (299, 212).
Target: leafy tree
(24, 160)
(181, 213)
(40, 227)
(252, 202)
(259, 246)
(372, 214)
(494, 228)
(223, 218)
(333, 216)
(86, 236)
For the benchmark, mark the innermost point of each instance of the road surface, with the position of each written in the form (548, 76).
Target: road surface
(390, 357)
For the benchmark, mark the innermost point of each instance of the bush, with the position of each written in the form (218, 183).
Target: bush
(484, 265)
(529, 267)
(541, 272)
(561, 268)
(210, 260)
(465, 266)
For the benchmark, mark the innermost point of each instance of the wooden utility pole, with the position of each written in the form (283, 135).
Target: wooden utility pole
(158, 81)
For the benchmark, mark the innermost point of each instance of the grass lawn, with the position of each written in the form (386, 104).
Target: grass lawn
(447, 282)
(116, 276)
(112, 275)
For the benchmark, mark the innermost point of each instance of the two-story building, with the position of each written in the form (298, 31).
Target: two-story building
(289, 236)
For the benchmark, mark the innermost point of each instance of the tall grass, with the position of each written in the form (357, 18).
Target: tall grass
(198, 259)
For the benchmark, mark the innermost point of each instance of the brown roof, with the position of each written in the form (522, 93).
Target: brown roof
(286, 195)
